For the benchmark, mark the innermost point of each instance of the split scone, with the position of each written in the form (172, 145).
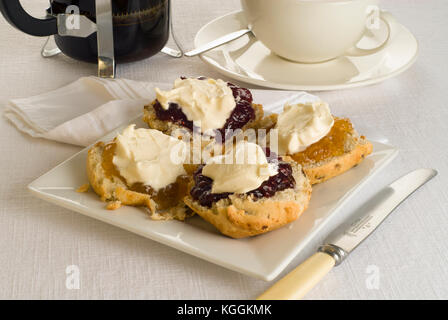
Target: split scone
(206, 106)
(138, 169)
(247, 192)
(325, 146)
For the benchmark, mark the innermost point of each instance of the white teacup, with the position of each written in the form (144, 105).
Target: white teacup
(311, 31)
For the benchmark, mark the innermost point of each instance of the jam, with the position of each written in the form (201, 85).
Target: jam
(108, 166)
(168, 196)
(164, 198)
(283, 180)
(202, 190)
(173, 114)
(240, 116)
(332, 145)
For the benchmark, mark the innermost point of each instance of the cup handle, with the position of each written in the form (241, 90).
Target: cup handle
(358, 52)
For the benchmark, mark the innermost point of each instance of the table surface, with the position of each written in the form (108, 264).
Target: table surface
(407, 256)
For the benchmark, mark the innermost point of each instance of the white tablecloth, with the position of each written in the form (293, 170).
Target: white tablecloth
(409, 252)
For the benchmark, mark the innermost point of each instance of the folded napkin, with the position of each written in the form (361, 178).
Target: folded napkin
(89, 108)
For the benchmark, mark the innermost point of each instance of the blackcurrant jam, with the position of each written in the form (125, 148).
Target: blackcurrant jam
(283, 180)
(173, 114)
(240, 116)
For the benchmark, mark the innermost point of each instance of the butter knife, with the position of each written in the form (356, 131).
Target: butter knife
(217, 42)
(338, 246)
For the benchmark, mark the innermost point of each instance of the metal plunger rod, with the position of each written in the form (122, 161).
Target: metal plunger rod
(105, 36)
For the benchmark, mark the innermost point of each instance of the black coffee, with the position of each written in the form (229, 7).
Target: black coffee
(141, 29)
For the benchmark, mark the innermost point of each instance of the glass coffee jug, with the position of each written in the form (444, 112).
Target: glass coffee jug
(138, 28)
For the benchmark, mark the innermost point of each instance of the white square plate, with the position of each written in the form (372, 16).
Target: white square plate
(263, 256)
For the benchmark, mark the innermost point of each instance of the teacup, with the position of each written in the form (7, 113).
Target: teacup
(311, 31)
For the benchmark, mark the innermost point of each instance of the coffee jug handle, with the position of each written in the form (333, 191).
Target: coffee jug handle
(17, 16)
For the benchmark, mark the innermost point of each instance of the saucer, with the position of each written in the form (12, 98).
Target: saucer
(246, 59)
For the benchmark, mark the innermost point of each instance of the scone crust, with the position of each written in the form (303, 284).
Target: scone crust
(102, 185)
(355, 150)
(240, 216)
(338, 165)
(114, 191)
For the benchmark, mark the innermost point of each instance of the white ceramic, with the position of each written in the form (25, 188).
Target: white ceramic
(310, 31)
(248, 60)
(263, 256)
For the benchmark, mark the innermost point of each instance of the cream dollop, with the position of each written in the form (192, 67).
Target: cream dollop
(301, 125)
(241, 169)
(208, 103)
(148, 156)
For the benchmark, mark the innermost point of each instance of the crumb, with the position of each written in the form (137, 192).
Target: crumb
(113, 205)
(84, 188)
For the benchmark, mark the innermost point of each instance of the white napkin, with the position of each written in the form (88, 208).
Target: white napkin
(89, 108)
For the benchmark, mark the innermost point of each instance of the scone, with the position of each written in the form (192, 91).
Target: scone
(204, 105)
(134, 169)
(324, 145)
(242, 201)
(340, 150)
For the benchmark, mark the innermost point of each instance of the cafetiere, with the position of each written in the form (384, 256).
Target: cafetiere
(99, 31)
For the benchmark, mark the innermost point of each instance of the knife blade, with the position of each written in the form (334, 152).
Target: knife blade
(338, 246)
(376, 211)
(217, 42)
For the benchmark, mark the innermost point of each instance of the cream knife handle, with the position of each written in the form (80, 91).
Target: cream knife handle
(301, 280)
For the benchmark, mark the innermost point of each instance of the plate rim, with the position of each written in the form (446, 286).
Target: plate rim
(267, 84)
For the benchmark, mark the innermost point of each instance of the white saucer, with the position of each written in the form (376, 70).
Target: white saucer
(247, 59)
